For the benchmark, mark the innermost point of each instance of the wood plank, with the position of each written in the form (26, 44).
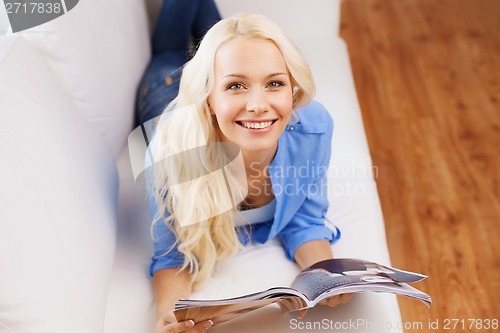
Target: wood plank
(427, 75)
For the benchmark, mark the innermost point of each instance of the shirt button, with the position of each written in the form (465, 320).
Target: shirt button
(169, 81)
(291, 128)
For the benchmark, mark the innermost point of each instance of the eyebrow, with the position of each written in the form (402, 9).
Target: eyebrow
(245, 77)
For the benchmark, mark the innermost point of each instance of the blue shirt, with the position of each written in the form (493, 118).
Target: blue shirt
(298, 175)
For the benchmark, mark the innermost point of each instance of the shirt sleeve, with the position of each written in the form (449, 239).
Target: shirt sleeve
(166, 253)
(310, 222)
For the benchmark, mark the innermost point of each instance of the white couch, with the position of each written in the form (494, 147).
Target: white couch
(74, 228)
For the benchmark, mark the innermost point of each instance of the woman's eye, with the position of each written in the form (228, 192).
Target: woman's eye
(235, 86)
(276, 84)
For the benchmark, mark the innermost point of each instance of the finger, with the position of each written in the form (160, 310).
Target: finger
(301, 313)
(177, 327)
(202, 326)
(332, 301)
(345, 298)
(335, 300)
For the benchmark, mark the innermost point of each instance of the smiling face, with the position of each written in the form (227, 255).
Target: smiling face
(252, 94)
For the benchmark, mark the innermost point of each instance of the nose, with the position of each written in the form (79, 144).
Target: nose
(257, 102)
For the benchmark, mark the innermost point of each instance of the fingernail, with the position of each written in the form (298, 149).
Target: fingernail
(189, 323)
(208, 324)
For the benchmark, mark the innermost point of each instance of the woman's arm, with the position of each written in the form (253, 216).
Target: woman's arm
(311, 252)
(170, 285)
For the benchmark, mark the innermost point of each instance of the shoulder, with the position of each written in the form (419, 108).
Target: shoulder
(314, 118)
(307, 140)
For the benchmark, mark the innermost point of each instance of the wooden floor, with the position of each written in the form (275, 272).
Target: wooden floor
(427, 74)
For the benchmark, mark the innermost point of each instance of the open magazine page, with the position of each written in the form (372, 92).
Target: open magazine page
(219, 313)
(330, 276)
(358, 267)
(261, 295)
(392, 288)
(222, 310)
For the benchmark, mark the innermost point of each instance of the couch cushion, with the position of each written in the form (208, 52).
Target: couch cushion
(4, 21)
(58, 195)
(99, 50)
(324, 23)
(335, 89)
(130, 278)
(298, 18)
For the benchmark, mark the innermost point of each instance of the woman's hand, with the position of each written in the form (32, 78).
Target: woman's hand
(332, 301)
(336, 300)
(168, 324)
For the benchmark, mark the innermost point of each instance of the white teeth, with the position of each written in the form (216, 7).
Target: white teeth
(261, 125)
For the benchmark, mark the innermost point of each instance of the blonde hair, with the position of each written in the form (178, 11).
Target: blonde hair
(190, 134)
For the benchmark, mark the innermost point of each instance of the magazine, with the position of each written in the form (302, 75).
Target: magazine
(320, 281)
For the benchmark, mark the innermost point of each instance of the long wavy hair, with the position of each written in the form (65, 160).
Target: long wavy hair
(186, 140)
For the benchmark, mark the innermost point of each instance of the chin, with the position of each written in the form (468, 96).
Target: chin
(256, 147)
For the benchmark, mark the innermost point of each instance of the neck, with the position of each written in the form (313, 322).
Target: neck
(256, 161)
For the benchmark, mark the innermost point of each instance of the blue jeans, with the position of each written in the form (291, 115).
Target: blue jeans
(179, 23)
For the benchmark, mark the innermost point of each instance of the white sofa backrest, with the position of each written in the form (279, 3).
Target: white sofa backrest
(325, 22)
(102, 82)
(58, 198)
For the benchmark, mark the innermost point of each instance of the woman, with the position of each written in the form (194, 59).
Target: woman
(248, 86)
